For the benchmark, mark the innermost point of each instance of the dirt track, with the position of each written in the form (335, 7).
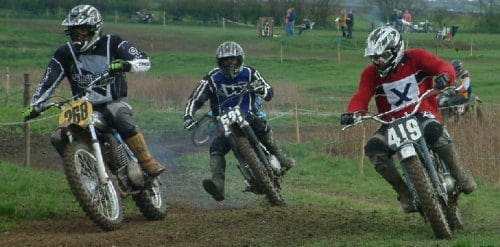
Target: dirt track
(192, 220)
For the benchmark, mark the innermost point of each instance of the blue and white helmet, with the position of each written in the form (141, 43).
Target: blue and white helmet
(230, 49)
(385, 48)
(84, 15)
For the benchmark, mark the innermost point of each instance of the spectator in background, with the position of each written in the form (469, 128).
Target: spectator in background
(290, 21)
(306, 24)
(350, 24)
(342, 21)
(407, 16)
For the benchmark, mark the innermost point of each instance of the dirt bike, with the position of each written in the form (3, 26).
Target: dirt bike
(434, 191)
(261, 170)
(99, 166)
(454, 112)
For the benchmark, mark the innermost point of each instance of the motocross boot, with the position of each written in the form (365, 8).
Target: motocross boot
(138, 146)
(389, 172)
(465, 180)
(215, 186)
(273, 148)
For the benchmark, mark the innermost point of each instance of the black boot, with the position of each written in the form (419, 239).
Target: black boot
(389, 172)
(273, 148)
(215, 186)
(463, 177)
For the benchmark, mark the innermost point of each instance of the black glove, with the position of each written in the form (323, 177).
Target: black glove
(119, 66)
(189, 122)
(31, 112)
(347, 118)
(441, 81)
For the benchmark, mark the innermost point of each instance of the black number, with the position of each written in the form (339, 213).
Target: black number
(83, 110)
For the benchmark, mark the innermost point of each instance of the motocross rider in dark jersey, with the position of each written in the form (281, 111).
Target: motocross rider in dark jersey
(227, 80)
(84, 58)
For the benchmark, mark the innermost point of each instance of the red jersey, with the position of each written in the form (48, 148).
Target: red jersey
(412, 77)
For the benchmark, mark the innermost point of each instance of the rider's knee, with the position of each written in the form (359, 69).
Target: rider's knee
(433, 131)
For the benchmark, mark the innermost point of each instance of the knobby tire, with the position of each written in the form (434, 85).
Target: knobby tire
(73, 171)
(429, 199)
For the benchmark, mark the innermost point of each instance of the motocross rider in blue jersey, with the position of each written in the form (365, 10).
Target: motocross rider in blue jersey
(84, 58)
(221, 85)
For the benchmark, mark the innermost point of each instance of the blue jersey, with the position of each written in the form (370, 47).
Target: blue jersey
(225, 92)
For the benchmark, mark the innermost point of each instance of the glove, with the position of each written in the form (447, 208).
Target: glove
(441, 81)
(30, 112)
(119, 66)
(347, 118)
(189, 122)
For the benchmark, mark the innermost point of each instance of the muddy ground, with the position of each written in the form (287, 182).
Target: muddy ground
(192, 220)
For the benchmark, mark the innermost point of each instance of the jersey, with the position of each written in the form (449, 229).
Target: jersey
(224, 92)
(82, 68)
(412, 77)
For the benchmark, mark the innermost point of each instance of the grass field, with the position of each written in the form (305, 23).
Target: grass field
(314, 74)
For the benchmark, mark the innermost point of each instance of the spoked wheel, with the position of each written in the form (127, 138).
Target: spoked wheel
(152, 202)
(264, 182)
(428, 197)
(204, 132)
(100, 202)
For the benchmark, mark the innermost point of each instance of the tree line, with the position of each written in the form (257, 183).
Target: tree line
(323, 12)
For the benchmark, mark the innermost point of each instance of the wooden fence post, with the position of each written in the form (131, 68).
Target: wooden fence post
(7, 86)
(297, 123)
(26, 124)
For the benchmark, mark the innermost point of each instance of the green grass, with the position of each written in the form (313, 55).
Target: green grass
(310, 63)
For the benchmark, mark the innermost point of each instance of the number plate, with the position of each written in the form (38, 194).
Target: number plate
(403, 131)
(232, 116)
(78, 112)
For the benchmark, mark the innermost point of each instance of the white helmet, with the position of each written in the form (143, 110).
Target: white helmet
(385, 47)
(230, 49)
(84, 15)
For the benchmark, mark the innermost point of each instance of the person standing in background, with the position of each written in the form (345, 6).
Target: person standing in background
(342, 20)
(350, 24)
(290, 21)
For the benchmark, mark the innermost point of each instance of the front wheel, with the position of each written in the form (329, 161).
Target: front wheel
(100, 202)
(428, 197)
(265, 183)
(152, 202)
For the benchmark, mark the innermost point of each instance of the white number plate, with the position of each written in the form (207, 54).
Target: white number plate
(402, 131)
(230, 117)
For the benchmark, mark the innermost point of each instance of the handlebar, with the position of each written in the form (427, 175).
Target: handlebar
(378, 117)
(88, 88)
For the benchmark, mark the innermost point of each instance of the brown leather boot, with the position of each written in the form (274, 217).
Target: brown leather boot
(138, 146)
(215, 185)
(273, 148)
(464, 178)
(389, 172)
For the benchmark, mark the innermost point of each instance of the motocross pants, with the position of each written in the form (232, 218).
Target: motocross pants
(118, 114)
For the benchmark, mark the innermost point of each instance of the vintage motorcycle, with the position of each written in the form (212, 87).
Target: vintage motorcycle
(454, 112)
(260, 169)
(99, 166)
(434, 191)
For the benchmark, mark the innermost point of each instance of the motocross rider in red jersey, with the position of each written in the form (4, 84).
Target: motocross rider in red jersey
(395, 77)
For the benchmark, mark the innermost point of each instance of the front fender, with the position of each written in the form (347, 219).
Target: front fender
(78, 132)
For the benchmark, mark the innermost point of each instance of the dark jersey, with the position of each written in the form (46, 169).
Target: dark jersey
(81, 68)
(224, 92)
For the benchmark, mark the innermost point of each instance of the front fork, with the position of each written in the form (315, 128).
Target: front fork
(96, 147)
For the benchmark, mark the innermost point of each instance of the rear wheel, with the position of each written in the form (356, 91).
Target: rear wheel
(428, 197)
(101, 202)
(152, 202)
(205, 131)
